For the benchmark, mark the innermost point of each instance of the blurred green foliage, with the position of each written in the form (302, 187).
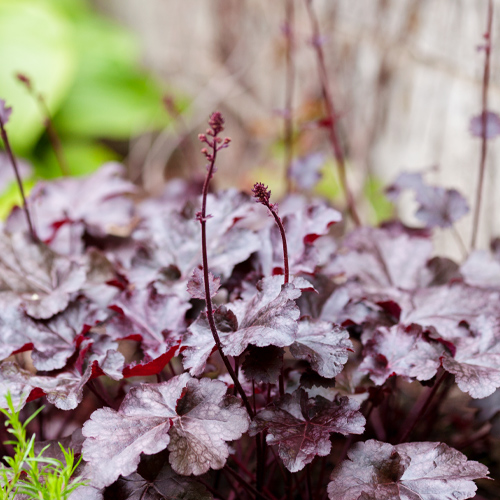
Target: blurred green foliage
(87, 69)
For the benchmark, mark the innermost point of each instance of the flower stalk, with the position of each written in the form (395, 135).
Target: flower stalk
(263, 195)
(214, 144)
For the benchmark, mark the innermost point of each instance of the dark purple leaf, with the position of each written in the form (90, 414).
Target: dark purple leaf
(157, 319)
(58, 336)
(44, 281)
(424, 471)
(304, 223)
(323, 344)
(173, 237)
(476, 126)
(194, 418)
(64, 390)
(196, 284)
(268, 318)
(100, 201)
(403, 351)
(301, 427)
(263, 364)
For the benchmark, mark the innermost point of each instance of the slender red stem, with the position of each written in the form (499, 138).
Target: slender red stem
(203, 221)
(484, 132)
(331, 114)
(13, 161)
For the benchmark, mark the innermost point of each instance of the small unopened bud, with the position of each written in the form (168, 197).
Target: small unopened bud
(216, 122)
(262, 193)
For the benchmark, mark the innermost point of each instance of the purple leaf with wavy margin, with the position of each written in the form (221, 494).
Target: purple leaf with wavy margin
(157, 319)
(476, 364)
(268, 318)
(194, 418)
(44, 280)
(323, 344)
(304, 223)
(427, 471)
(403, 351)
(101, 201)
(166, 485)
(382, 259)
(444, 307)
(301, 427)
(481, 269)
(64, 390)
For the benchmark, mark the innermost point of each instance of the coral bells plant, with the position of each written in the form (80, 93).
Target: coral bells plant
(262, 357)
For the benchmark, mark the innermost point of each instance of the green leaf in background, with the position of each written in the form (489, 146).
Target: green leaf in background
(112, 96)
(83, 158)
(37, 41)
(329, 186)
(383, 209)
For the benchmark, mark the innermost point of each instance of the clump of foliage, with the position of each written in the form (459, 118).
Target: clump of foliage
(32, 475)
(216, 345)
(263, 330)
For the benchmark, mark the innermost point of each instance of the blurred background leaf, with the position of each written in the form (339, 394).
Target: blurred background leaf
(88, 71)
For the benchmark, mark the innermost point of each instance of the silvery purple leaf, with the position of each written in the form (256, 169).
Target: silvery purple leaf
(44, 280)
(408, 471)
(476, 363)
(268, 318)
(382, 258)
(101, 201)
(193, 418)
(444, 307)
(64, 390)
(403, 351)
(481, 269)
(323, 344)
